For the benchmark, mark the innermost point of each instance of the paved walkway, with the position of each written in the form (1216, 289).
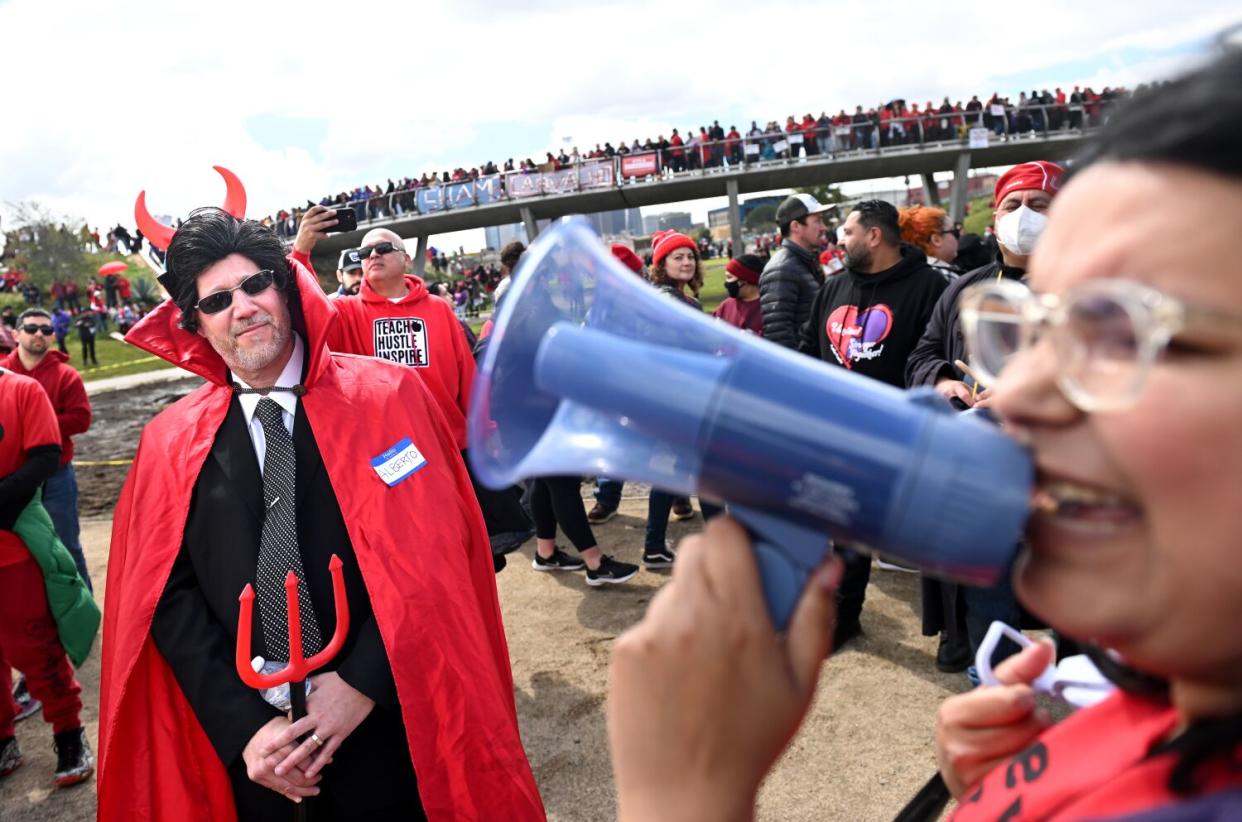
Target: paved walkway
(135, 380)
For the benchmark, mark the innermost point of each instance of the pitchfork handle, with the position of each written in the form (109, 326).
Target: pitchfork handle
(297, 700)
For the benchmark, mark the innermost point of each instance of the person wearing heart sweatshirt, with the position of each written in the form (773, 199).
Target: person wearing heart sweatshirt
(868, 319)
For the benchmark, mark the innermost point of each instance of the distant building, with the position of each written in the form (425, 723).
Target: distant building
(669, 220)
(719, 217)
(497, 237)
(615, 223)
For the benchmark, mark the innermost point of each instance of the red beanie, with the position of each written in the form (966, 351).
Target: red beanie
(627, 257)
(738, 268)
(1039, 175)
(664, 243)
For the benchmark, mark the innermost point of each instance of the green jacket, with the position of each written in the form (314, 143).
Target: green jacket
(74, 609)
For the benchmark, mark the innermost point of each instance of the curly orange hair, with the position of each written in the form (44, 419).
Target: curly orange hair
(919, 224)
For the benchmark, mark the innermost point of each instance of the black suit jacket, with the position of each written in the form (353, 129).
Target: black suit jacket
(195, 622)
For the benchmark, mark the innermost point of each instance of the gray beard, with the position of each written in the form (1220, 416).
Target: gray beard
(253, 359)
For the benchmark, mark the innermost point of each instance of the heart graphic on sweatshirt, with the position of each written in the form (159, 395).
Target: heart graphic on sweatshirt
(852, 334)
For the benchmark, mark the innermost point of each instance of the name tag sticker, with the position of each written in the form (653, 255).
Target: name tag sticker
(399, 462)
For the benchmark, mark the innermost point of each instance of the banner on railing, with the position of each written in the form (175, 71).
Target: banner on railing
(430, 199)
(640, 165)
(460, 195)
(519, 184)
(979, 137)
(595, 174)
(564, 181)
(488, 190)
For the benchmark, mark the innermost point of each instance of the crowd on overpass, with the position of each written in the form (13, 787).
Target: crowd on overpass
(710, 148)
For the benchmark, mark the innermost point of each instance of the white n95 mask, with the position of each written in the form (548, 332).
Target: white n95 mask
(1019, 230)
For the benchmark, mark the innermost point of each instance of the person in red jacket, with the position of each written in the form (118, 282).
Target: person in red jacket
(29, 641)
(34, 358)
(287, 455)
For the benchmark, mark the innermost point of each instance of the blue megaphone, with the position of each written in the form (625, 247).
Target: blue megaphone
(592, 371)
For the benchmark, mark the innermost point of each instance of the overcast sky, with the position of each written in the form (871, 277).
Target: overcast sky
(102, 100)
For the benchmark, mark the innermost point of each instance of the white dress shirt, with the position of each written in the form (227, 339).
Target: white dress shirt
(287, 400)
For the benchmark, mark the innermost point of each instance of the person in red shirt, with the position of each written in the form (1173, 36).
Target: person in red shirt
(741, 307)
(676, 152)
(34, 358)
(29, 640)
(395, 318)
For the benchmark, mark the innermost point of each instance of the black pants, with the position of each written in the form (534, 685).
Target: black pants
(557, 501)
(854, 581)
(88, 350)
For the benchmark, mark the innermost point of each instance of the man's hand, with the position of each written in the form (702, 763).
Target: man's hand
(333, 710)
(949, 388)
(262, 754)
(704, 687)
(978, 730)
(313, 228)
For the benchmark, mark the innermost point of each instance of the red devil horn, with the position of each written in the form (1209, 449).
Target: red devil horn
(158, 234)
(235, 196)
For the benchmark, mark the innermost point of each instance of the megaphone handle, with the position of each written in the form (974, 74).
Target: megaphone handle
(786, 554)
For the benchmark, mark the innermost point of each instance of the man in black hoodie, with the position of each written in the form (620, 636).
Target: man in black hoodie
(868, 319)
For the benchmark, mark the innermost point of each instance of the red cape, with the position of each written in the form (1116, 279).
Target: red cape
(423, 553)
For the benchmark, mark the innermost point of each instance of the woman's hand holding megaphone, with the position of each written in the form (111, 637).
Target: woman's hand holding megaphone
(705, 689)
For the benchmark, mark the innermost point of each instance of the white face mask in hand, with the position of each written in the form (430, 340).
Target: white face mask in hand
(1018, 230)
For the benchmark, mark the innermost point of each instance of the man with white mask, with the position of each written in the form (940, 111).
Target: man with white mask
(962, 614)
(1023, 195)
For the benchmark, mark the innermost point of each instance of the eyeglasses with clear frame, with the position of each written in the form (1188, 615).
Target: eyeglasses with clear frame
(1106, 334)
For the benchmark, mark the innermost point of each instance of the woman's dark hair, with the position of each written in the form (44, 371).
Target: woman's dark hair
(1193, 121)
(659, 276)
(208, 236)
(511, 253)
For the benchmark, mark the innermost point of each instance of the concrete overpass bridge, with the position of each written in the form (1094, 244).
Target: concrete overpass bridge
(893, 161)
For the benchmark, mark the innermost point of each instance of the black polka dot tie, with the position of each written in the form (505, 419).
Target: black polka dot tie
(278, 547)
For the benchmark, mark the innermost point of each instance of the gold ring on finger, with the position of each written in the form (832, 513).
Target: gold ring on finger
(315, 738)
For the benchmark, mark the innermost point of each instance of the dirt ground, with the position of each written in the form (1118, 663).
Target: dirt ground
(864, 750)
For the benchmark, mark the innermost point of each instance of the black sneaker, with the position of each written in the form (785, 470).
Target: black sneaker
(27, 706)
(952, 657)
(600, 514)
(559, 561)
(682, 510)
(661, 558)
(74, 762)
(611, 572)
(10, 756)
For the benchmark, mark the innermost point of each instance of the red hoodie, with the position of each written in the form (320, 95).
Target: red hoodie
(65, 389)
(423, 553)
(418, 330)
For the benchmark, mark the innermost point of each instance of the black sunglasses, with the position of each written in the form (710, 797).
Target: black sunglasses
(253, 285)
(31, 328)
(379, 248)
(956, 232)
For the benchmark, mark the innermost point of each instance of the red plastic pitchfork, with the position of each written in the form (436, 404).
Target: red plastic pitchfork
(299, 668)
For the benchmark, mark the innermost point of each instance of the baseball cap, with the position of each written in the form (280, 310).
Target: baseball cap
(350, 261)
(798, 207)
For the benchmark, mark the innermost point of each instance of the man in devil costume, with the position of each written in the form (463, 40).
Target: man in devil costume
(415, 715)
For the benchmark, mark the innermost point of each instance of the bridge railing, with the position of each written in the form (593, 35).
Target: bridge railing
(870, 136)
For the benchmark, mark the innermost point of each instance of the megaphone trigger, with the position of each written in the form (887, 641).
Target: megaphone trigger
(592, 371)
